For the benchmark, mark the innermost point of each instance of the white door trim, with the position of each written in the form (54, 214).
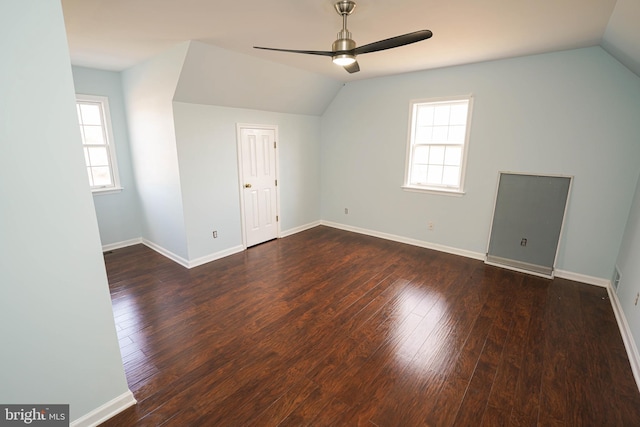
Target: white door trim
(274, 128)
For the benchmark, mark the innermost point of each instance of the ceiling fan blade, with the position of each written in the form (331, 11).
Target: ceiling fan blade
(308, 52)
(397, 41)
(352, 68)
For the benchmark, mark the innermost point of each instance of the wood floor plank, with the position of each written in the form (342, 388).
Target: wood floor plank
(556, 400)
(328, 327)
(476, 396)
(528, 388)
(285, 404)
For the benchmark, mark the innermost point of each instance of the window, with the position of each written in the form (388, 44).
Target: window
(97, 143)
(437, 147)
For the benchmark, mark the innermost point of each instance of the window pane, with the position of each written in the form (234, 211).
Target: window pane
(90, 114)
(424, 115)
(419, 174)
(440, 134)
(434, 175)
(441, 115)
(456, 134)
(459, 114)
(421, 154)
(423, 135)
(436, 155)
(98, 156)
(97, 149)
(453, 156)
(101, 176)
(93, 135)
(451, 175)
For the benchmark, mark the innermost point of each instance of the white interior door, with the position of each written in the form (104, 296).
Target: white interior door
(257, 149)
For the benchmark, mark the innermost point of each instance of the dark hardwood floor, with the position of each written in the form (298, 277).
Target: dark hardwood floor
(331, 328)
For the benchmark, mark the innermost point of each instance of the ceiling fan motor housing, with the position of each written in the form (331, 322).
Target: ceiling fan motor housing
(345, 7)
(343, 43)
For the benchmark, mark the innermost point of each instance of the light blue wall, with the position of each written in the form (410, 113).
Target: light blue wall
(148, 92)
(569, 113)
(207, 152)
(59, 341)
(629, 268)
(184, 154)
(118, 213)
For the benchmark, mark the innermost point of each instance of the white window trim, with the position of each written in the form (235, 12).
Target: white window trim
(106, 112)
(447, 191)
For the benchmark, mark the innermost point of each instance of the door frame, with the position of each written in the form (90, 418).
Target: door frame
(560, 236)
(239, 127)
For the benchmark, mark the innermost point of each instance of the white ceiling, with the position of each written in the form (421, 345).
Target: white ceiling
(116, 34)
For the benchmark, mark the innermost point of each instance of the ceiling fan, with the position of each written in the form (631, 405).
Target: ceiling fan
(344, 51)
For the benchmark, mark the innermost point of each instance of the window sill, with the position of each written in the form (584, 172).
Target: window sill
(442, 192)
(110, 190)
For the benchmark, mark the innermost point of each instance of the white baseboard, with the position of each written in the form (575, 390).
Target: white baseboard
(590, 280)
(627, 336)
(199, 261)
(124, 244)
(176, 258)
(215, 256)
(106, 411)
(563, 274)
(407, 240)
(300, 229)
(162, 251)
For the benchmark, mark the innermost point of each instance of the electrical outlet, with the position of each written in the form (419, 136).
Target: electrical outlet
(215, 234)
(523, 242)
(346, 211)
(430, 226)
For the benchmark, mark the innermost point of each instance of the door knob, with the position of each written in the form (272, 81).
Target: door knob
(247, 186)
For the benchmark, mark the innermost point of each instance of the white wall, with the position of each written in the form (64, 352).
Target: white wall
(148, 91)
(59, 342)
(571, 113)
(207, 152)
(118, 213)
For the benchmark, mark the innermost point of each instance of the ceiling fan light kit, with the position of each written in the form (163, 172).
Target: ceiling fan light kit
(344, 50)
(344, 59)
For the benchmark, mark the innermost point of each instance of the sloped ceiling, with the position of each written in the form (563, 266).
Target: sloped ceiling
(116, 34)
(215, 76)
(622, 36)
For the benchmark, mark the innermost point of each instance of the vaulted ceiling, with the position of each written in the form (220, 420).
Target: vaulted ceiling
(116, 34)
